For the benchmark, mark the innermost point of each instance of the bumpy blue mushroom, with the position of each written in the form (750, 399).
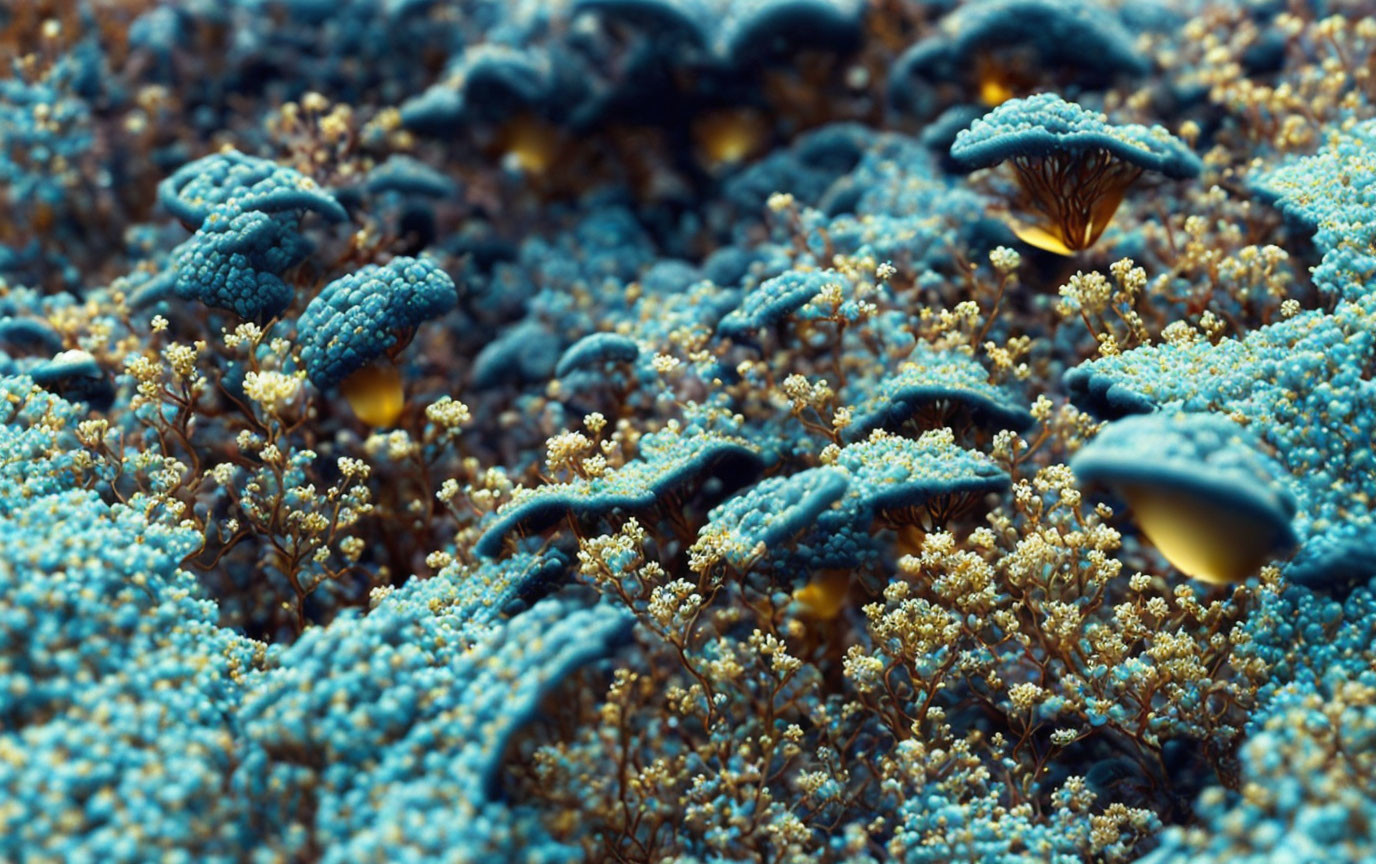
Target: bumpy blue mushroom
(409, 176)
(1072, 165)
(77, 377)
(198, 188)
(235, 260)
(935, 388)
(763, 519)
(596, 350)
(246, 212)
(486, 82)
(737, 32)
(335, 733)
(361, 317)
(670, 462)
(1199, 488)
(772, 301)
(925, 482)
(29, 334)
(1299, 385)
(999, 49)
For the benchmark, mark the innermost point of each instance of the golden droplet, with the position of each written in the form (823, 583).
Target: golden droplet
(375, 393)
(825, 596)
(729, 136)
(1203, 539)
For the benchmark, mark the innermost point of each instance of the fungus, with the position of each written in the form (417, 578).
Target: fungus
(235, 260)
(757, 523)
(671, 463)
(772, 301)
(1000, 49)
(246, 214)
(339, 721)
(1072, 167)
(825, 594)
(353, 330)
(932, 389)
(740, 32)
(1301, 386)
(487, 84)
(1199, 489)
(729, 136)
(927, 482)
(198, 188)
(76, 376)
(596, 350)
(31, 334)
(406, 175)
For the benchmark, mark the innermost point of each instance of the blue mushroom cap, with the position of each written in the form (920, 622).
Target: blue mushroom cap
(407, 175)
(359, 317)
(932, 378)
(669, 461)
(29, 333)
(1204, 455)
(1045, 123)
(771, 513)
(1075, 34)
(596, 349)
(198, 188)
(235, 260)
(772, 301)
(77, 377)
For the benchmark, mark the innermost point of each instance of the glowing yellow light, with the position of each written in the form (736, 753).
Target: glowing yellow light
(825, 596)
(1038, 237)
(532, 143)
(994, 92)
(997, 80)
(1203, 539)
(375, 393)
(728, 137)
